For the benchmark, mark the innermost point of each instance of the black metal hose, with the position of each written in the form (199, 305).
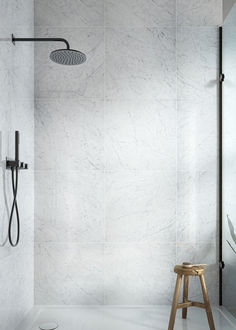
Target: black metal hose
(14, 206)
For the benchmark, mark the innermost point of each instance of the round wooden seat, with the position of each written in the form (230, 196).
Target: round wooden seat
(193, 271)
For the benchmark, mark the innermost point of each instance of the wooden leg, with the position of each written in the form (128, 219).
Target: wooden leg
(185, 296)
(175, 302)
(207, 303)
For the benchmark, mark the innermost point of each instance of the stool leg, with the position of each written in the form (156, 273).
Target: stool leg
(175, 302)
(185, 296)
(207, 303)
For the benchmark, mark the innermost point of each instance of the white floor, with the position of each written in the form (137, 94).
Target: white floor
(122, 318)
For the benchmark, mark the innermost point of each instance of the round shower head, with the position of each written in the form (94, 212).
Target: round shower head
(67, 56)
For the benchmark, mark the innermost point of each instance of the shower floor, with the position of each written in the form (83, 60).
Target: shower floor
(122, 318)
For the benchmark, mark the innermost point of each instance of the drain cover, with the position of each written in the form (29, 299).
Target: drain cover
(48, 326)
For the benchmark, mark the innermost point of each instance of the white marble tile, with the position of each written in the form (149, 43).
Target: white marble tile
(197, 135)
(69, 134)
(133, 13)
(45, 203)
(15, 302)
(197, 50)
(22, 120)
(140, 206)
(85, 80)
(140, 135)
(23, 14)
(140, 63)
(201, 253)
(26, 205)
(22, 75)
(76, 13)
(5, 70)
(6, 13)
(69, 206)
(16, 112)
(6, 83)
(69, 274)
(196, 209)
(199, 12)
(5, 51)
(135, 274)
(16, 76)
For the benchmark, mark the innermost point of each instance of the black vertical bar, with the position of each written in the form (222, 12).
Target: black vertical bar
(17, 141)
(220, 163)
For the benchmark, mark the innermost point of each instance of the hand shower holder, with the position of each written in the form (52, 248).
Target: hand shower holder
(15, 163)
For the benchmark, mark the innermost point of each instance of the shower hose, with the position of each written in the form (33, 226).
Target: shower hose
(14, 179)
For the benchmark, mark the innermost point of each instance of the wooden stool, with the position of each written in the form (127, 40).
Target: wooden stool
(187, 270)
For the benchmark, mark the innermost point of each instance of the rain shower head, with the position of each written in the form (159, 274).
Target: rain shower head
(67, 56)
(64, 56)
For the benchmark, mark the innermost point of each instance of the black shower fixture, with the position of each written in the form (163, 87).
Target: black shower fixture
(65, 56)
(15, 165)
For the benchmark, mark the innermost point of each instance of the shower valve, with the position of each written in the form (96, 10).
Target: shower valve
(16, 164)
(11, 164)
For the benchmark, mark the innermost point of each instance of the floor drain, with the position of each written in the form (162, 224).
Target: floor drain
(48, 326)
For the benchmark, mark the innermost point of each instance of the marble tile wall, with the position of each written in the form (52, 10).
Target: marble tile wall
(125, 149)
(16, 113)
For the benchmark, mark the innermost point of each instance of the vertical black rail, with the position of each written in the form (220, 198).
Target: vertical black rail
(220, 150)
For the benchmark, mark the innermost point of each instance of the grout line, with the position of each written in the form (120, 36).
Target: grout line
(113, 27)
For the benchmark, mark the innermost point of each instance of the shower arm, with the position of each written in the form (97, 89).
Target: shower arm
(14, 40)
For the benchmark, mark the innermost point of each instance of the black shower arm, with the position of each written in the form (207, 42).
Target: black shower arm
(40, 39)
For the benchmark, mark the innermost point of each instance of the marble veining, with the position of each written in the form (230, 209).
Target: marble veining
(197, 62)
(141, 63)
(76, 13)
(199, 12)
(77, 273)
(69, 134)
(140, 13)
(74, 209)
(197, 217)
(16, 113)
(134, 176)
(138, 135)
(197, 142)
(126, 262)
(140, 206)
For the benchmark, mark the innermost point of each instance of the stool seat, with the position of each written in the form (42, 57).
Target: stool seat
(194, 271)
(186, 270)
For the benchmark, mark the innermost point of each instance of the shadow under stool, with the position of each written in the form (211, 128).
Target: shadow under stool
(187, 270)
